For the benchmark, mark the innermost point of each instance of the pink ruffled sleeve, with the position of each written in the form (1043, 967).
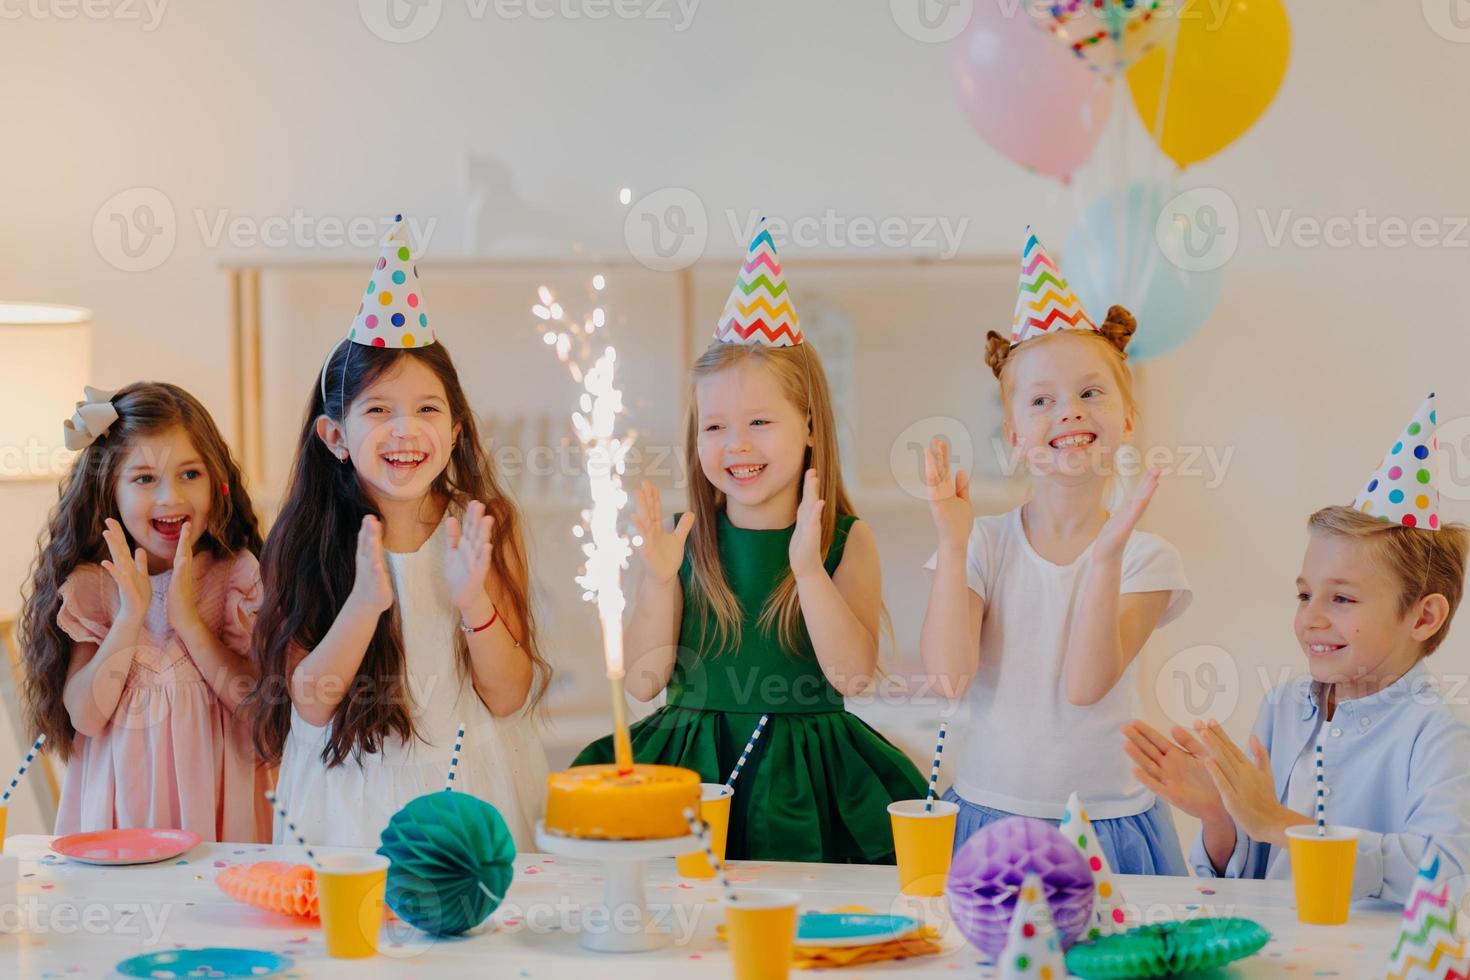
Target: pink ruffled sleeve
(242, 601)
(88, 604)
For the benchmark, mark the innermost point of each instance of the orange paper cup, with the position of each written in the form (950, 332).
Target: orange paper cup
(924, 842)
(1322, 872)
(350, 891)
(714, 809)
(761, 929)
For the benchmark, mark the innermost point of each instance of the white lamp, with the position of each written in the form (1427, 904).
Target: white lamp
(45, 359)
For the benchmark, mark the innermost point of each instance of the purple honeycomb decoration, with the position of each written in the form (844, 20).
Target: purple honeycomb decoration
(986, 874)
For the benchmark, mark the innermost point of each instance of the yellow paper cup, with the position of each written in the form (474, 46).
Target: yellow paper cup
(924, 842)
(4, 818)
(1322, 872)
(761, 929)
(350, 890)
(714, 809)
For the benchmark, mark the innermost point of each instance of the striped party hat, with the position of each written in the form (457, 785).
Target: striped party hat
(391, 313)
(1045, 301)
(759, 309)
(1402, 489)
(1429, 946)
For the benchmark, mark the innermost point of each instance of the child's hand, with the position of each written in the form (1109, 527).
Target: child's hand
(371, 587)
(129, 571)
(806, 540)
(1174, 770)
(467, 562)
(1247, 788)
(949, 499)
(1114, 534)
(182, 610)
(663, 551)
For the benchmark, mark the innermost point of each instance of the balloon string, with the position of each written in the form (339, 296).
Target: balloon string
(493, 897)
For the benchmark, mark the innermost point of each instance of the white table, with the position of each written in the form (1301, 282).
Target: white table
(82, 920)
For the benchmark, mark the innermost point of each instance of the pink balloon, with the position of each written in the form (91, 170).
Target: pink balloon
(1024, 93)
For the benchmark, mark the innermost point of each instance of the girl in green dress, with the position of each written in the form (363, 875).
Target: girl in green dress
(763, 599)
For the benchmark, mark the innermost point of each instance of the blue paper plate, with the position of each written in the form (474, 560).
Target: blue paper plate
(851, 929)
(215, 962)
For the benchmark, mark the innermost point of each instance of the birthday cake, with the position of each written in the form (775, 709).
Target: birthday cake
(597, 802)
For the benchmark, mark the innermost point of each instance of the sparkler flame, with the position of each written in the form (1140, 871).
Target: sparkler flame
(595, 422)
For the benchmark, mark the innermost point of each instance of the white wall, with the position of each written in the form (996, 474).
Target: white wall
(1313, 360)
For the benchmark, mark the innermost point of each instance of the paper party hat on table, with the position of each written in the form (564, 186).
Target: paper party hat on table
(759, 309)
(1045, 301)
(1033, 950)
(1402, 489)
(392, 310)
(1107, 911)
(1428, 947)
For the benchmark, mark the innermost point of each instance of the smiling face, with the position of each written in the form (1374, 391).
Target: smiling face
(397, 433)
(1068, 411)
(1349, 619)
(162, 482)
(752, 443)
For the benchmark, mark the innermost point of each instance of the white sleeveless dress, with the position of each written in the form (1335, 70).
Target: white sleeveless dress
(502, 760)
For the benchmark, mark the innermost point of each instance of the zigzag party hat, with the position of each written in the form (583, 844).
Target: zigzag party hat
(1045, 302)
(759, 309)
(1402, 489)
(1428, 946)
(1107, 912)
(391, 313)
(1033, 950)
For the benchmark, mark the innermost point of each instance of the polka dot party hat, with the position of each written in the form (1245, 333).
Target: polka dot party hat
(1045, 302)
(392, 310)
(1402, 489)
(1107, 910)
(1033, 949)
(759, 309)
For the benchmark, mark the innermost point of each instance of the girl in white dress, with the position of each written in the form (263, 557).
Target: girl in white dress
(396, 594)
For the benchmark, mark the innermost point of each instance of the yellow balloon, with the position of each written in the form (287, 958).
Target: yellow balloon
(1229, 61)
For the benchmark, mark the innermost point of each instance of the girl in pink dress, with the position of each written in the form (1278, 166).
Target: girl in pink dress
(136, 625)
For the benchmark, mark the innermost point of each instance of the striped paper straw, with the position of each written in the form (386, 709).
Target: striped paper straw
(700, 829)
(25, 764)
(755, 736)
(1321, 796)
(280, 809)
(934, 769)
(454, 759)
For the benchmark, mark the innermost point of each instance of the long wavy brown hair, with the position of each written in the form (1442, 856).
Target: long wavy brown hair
(308, 564)
(73, 535)
(799, 372)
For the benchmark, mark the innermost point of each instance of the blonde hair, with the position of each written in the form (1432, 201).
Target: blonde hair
(1116, 330)
(798, 372)
(1425, 562)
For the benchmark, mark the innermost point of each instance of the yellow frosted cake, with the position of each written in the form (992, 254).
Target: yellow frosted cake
(646, 804)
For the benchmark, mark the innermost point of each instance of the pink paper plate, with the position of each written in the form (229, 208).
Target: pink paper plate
(140, 845)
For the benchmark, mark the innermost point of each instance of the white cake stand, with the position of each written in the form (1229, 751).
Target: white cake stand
(623, 862)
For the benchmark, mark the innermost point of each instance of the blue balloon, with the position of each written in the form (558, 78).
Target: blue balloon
(1142, 247)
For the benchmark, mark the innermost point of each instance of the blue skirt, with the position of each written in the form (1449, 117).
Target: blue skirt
(1145, 844)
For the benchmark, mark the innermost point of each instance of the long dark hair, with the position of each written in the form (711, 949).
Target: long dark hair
(309, 561)
(73, 535)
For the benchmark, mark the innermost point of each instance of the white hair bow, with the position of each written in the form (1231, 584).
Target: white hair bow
(93, 418)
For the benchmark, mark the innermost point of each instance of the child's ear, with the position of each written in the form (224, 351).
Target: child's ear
(1009, 433)
(1430, 615)
(332, 436)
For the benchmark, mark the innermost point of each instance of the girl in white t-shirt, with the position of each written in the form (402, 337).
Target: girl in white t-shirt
(1036, 616)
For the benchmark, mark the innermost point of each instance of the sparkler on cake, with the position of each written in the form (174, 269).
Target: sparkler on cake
(623, 801)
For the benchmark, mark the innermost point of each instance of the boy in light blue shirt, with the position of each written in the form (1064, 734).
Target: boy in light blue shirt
(1379, 585)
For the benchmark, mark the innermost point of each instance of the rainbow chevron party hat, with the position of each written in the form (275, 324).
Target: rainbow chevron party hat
(759, 309)
(1402, 489)
(1429, 946)
(1045, 302)
(391, 313)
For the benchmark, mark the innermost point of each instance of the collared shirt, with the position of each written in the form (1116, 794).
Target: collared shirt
(1397, 768)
